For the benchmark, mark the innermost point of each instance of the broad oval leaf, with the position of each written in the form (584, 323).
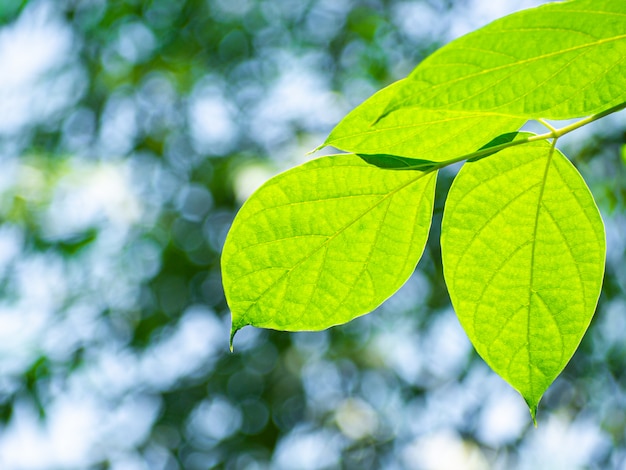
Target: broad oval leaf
(434, 135)
(523, 250)
(558, 61)
(325, 242)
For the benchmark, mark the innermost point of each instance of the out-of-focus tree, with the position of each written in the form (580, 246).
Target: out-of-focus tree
(130, 133)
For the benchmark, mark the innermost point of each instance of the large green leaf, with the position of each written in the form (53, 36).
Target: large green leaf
(325, 242)
(557, 61)
(523, 249)
(426, 134)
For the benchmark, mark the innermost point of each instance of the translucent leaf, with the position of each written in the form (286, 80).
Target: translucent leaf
(557, 61)
(425, 134)
(523, 249)
(394, 162)
(325, 242)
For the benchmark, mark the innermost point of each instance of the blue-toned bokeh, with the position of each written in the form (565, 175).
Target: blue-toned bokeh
(130, 133)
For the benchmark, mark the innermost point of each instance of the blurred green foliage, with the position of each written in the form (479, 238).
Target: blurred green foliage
(125, 156)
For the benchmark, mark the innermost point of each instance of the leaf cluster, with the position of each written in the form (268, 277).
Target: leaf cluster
(523, 243)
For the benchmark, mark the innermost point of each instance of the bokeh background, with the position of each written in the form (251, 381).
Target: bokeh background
(130, 133)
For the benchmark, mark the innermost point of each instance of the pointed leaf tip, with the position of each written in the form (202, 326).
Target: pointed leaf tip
(316, 149)
(533, 413)
(233, 332)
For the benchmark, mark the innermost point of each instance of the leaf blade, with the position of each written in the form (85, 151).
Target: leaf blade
(325, 242)
(557, 61)
(425, 134)
(570, 62)
(523, 250)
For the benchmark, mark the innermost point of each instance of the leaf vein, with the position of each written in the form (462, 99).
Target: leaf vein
(335, 235)
(495, 214)
(492, 276)
(369, 256)
(520, 63)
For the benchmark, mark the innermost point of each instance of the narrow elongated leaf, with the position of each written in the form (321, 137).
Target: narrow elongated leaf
(325, 242)
(558, 61)
(523, 249)
(392, 162)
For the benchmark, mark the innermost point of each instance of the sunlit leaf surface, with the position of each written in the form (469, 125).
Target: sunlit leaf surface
(325, 242)
(523, 249)
(561, 60)
(557, 61)
(426, 134)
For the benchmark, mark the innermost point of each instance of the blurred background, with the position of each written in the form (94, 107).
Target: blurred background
(130, 133)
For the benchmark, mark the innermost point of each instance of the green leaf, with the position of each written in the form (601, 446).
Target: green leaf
(523, 250)
(558, 61)
(433, 135)
(325, 242)
(392, 162)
